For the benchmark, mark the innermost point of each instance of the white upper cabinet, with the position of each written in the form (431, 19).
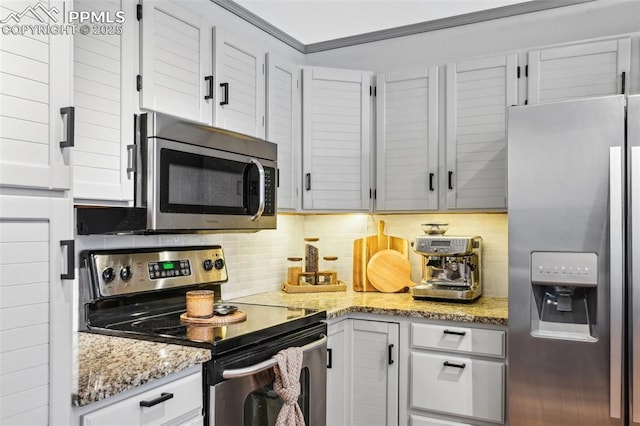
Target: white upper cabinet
(35, 89)
(336, 139)
(283, 127)
(478, 95)
(104, 98)
(582, 70)
(407, 140)
(176, 57)
(239, 84)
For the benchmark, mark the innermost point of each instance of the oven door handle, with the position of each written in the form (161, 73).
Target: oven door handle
(269, 363)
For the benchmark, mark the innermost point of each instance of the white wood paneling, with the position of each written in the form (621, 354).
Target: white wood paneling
(338, 384)
(283, 127)
(239, 64)
(176, 57)
(35, 83)
(578, 71)
(104, 101)
(336, 139)
(478, 95)
(374, 379)
(35, 311)
(407, 140)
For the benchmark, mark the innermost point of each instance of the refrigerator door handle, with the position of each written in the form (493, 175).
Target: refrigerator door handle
(616, 276)
(634, 172)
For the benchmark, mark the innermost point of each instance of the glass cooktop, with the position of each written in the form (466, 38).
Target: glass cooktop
(262, 322)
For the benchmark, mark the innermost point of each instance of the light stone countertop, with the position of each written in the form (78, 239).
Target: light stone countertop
(485, 310)
(107, 365)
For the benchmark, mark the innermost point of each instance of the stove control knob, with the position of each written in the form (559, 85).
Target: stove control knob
(207, 264)
(108, 275)
(125, 273)
(219, 263)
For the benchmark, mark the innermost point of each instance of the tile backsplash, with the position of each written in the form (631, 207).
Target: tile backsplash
(257, 262)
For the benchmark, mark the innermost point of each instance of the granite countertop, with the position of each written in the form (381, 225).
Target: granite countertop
(107, 365)
(485, 310)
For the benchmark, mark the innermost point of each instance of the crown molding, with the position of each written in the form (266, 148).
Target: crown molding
(402, 31)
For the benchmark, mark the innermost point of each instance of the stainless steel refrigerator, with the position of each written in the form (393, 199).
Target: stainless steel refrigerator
(574, 263)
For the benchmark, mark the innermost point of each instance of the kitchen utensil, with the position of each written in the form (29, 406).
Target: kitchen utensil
(365, 248)
(389, 271)
(224, 309)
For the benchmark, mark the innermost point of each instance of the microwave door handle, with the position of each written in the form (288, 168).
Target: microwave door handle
(269, 363)
(261, 191)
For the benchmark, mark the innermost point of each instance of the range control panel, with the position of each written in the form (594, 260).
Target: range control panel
(121, 272)
(564, 268)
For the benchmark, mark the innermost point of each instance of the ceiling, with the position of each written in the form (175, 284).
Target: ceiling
(315, 21)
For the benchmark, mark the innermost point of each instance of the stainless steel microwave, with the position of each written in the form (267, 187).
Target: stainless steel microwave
(192, 178)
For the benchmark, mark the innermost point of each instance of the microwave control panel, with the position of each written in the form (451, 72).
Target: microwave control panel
(270, 185)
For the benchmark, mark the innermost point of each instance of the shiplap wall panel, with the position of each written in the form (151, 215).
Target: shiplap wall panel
(578, 71)
(24, 350)
(336, 138)
(282, 126)
(407, 144)
(478, 95)
(241, 65)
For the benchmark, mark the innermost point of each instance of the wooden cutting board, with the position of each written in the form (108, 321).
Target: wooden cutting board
(365, 248)
(389, 271)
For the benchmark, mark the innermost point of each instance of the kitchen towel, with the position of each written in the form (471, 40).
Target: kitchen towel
(287, 385)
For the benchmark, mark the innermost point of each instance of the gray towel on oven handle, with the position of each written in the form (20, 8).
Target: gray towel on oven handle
(287, 385)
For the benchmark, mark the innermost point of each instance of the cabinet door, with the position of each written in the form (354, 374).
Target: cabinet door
(175, 50)
(407, 140)
(582, 70)
(374, 373)
(336, 139)
(283, 127)
(35, 83)
(238, 69)
(104, 87)
(35, 310)
(478, 95)
(337, 378)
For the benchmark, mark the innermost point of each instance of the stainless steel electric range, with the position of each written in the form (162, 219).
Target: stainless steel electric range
(140, 293)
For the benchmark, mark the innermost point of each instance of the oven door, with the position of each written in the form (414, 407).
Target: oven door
(246, 397)
(195, 187)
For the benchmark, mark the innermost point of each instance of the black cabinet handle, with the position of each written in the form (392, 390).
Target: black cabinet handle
(624, 75)
(457, 333)
(209, 94)
(308, 177)
(69, 141)
(391, 354)
(71, 264)
(329, 358)
(164, 396)
(431, 175)
(132, 158)
(450, 180)
(453, 364)
(225, 99)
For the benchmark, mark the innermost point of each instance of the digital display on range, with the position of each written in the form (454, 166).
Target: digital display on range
(169, 269)
(440, 243)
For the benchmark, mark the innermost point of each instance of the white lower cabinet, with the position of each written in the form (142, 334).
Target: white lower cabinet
(338, 356)
(456, 371)
(178, 402)
(428, 421)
